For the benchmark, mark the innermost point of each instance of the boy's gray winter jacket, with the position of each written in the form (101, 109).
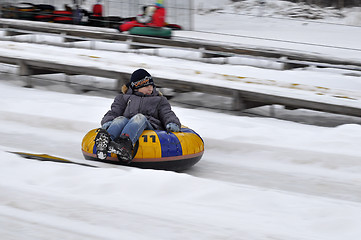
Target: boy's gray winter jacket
(155, 107)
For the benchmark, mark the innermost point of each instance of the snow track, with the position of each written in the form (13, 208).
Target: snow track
(61, 217)
(256, 173)
(307, 172)
(314, 171)
(259, 179)
(50, 216)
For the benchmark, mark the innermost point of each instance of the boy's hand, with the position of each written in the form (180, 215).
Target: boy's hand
(172, 127)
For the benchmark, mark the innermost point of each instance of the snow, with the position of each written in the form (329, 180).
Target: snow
(260, 178)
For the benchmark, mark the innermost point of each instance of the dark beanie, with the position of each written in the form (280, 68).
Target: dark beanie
(140, 78)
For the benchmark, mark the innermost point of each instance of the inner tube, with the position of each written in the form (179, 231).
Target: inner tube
(161, 32)
(63, 17)
(155, 149)
(173, 26)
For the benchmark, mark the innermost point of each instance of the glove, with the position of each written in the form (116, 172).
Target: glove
(106, 125)
(172, 127)
(144, 18)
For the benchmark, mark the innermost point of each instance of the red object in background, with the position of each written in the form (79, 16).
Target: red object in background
(158, 20)
(98, 10)
(128, 25)
(63, 17)
(44, 17)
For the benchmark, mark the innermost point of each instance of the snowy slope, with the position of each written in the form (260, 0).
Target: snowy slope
(259, 179)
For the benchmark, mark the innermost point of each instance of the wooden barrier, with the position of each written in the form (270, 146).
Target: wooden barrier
(290, 58)
(242, 99)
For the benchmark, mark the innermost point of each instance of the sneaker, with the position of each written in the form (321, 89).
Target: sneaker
(125, 147)
(115, 147)
(102, 140)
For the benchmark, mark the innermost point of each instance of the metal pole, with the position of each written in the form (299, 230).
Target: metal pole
(191, 15)
(106, 6)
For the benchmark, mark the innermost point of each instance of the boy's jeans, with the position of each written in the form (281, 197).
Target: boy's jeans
(133, 127)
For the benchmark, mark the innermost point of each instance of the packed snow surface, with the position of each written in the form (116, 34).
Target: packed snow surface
(259, 178)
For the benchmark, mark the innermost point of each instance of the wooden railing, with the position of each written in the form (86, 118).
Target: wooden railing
(290, 58)
(242, 98)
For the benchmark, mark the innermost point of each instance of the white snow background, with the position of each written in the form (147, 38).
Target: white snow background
(260, 178)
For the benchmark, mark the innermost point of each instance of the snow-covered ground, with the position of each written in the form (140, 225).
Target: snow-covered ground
(259, 178)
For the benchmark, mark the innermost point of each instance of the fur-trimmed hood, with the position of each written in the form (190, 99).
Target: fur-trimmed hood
(127, 90)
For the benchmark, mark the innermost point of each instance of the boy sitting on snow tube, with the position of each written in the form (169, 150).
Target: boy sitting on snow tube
(140, 107)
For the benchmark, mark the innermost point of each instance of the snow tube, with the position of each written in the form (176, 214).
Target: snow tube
(175, 151)
(173, 26)
(63, 17)
(152, 31)
(45, 12)
(25, 11)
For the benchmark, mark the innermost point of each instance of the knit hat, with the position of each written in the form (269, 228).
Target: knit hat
(140, 78)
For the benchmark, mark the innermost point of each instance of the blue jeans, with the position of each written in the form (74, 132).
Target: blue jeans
(133, 127)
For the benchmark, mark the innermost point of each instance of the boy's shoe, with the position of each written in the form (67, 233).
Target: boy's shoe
(102, 141)
(115, 147)
(125, 148)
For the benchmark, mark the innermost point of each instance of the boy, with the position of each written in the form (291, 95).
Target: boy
(140, 107)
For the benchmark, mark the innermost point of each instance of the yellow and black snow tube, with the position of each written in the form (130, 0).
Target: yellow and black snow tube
(175, 151)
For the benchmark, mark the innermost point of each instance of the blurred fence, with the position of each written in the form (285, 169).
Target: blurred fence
(178, 11)
(331, 3)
